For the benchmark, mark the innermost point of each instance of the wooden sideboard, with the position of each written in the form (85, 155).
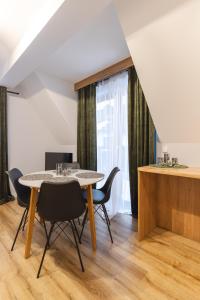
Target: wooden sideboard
(170, 199)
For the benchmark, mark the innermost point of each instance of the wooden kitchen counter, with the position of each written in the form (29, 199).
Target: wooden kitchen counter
(170, 199)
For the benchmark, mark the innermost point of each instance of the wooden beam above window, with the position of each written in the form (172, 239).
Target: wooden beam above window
(106, 73)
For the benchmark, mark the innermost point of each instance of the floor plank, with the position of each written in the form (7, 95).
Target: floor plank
(164, 266)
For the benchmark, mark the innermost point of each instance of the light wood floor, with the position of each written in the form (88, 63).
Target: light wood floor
(164, 266)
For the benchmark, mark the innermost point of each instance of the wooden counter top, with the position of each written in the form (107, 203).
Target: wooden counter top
(193, 172)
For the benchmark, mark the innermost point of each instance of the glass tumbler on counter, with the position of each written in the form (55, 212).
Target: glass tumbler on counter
(160, 160)
(174, 161)
(166, 157)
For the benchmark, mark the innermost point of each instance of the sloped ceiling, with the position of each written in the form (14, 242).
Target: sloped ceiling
(96, 46)
(56, 22)
(61, 38)
(164, 40)
(15, 18)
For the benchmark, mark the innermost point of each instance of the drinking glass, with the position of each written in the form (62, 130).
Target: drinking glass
(160, 160)
(174, 161)
(69, 170)
(59, 169)
(64, 169)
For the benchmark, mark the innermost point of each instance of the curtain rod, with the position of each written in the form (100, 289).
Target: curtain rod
(14, 93)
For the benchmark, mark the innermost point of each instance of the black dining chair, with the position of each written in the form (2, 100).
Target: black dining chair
(60, 203)
(100, 198)
(23, 198)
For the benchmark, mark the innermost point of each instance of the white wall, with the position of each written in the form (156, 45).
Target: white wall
(64, 99)
(164, 42)
(29, 133)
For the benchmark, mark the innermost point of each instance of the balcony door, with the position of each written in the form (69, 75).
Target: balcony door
(112, 138)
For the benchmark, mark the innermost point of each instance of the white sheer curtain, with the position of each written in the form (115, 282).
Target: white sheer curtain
(112, 138)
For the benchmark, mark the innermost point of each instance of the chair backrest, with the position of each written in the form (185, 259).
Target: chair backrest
(23, 192)
(106, 188)
(60, 201)
(74, 165)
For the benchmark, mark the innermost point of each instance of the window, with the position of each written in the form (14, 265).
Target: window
(112, 138)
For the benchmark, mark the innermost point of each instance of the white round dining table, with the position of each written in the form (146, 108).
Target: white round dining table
(86, 179)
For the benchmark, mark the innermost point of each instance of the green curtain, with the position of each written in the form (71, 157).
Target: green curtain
(141, 135)
(86, 135)
(4, 184)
